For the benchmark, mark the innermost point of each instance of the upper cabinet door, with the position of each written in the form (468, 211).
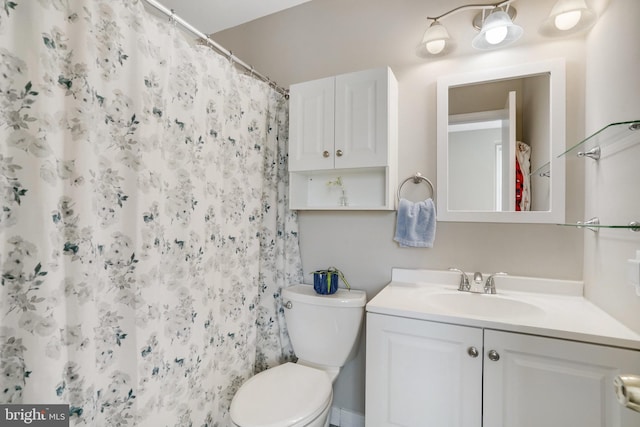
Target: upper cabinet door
(363, 108)
(311, 125)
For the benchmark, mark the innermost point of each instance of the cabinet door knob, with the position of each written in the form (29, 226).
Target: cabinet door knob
(325, 153)
(339, 153)
(494, 355)
(473, 352)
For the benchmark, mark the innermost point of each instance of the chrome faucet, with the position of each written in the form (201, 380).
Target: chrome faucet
(477, 278)
(490, 284)
(465, 285)
(464, 280)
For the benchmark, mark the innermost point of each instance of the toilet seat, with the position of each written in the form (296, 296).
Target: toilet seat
(284, 396)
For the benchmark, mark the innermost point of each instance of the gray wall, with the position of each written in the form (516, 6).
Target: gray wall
(613, 95)
(328, 37)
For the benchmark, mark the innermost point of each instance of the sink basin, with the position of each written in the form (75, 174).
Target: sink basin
(484, 305)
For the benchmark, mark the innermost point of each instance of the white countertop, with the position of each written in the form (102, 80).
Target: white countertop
(561, 310)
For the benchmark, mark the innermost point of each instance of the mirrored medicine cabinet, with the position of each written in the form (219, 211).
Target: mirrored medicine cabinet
(499, 134)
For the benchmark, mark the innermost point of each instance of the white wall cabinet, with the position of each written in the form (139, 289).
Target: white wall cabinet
(422, 373)
(344, 127)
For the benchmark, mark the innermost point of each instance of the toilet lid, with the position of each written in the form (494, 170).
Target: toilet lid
(281, 396)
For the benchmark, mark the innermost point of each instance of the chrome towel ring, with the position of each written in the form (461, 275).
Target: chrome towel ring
(417, 179)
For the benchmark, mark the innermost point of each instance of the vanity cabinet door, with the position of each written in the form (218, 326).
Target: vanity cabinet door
(422, 373)
(553, 383)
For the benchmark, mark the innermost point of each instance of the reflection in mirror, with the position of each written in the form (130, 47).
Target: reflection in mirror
(502, 128)
(497, 130)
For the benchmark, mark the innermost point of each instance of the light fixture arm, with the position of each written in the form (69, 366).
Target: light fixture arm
(470, 6)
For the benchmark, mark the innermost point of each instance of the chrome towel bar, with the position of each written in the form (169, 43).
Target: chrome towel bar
(417, 179)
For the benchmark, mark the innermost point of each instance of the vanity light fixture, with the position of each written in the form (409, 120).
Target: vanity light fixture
(496, 27)
(495, 24)
(497, 30)
(567, 17)
(436, 39)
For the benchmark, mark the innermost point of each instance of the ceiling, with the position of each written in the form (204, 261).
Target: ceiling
(211, 16)
(321, 27)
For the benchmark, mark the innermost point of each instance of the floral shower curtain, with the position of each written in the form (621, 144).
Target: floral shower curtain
(144, 235)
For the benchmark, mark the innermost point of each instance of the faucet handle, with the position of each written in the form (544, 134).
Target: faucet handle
(490, 284)
(464, 279)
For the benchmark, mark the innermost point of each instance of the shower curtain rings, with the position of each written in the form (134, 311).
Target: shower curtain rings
(172, 18)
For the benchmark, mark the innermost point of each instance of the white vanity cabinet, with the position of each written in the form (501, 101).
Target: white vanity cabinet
(425, 373)
(344, 127)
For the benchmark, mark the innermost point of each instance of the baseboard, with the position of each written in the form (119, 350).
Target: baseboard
(341, 417)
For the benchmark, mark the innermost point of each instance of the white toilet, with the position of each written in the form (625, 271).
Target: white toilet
(324, 331)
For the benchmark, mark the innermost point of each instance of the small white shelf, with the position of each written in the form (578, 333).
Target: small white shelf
(365, 189)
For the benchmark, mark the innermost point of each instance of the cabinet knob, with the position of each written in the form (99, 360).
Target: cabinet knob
(325, 153)
(339, 153)
(473, 352)
(494, 355)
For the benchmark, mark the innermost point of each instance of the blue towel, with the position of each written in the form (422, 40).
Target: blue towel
(416, 224)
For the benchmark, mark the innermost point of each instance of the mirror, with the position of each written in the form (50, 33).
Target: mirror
(500, 132)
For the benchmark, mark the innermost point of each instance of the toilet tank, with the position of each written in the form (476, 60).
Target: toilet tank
(324, 329)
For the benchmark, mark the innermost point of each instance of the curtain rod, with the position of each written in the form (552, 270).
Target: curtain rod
(234, 60)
